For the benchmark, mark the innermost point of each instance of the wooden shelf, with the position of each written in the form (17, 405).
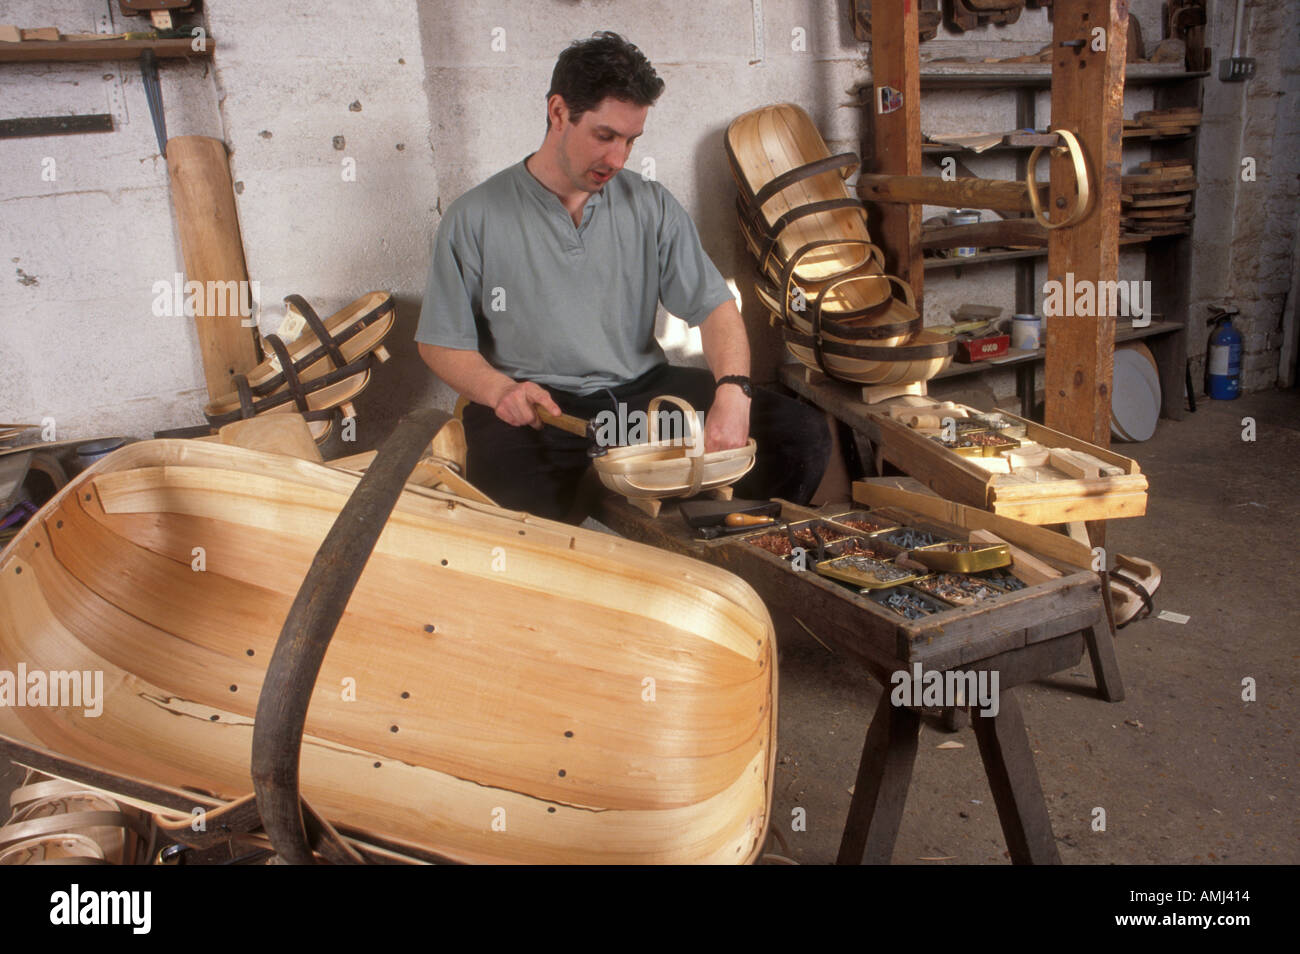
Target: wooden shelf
(1020, 356)
(989, 258)
(63, 51)
(989, 75)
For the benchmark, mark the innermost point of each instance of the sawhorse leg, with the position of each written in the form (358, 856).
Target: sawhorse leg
(1100, 641)
(1009, 763)
(881, 789)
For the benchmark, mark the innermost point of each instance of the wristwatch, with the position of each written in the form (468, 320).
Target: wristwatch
(738, 379)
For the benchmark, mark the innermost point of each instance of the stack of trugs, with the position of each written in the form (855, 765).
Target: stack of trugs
(1162, 123)
(819, 275)
(1158, 200)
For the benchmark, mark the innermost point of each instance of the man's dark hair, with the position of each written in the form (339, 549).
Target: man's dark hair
(605, 65)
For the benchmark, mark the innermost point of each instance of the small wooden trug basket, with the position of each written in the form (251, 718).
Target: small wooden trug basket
(674, 467)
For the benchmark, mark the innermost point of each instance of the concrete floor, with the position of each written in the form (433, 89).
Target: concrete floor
(1186, 772)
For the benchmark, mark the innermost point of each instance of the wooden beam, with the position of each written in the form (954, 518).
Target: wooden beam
(896, 134)
(204, 198)
(1088, 100)
(1004, 194)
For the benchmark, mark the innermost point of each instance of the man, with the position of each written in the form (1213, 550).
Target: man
(543, 290)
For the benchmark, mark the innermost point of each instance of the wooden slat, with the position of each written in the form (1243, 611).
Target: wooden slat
(1066, 509)
(1001, 194)
(72, 50)
(896, 136)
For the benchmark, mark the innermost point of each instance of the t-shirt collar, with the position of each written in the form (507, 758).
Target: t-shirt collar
(531, 183)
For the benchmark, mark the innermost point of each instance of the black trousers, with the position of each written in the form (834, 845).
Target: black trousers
(540, 470)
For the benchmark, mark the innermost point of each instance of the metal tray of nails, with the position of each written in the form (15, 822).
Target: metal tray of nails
(958, 588)
(1002, 579)
(907, 602)
(910, 538)
(866, 572)
(863, 522)
(781, 541)
(953, 557)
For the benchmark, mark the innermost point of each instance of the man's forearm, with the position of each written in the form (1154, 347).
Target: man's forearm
(467, 373)
(725, 341)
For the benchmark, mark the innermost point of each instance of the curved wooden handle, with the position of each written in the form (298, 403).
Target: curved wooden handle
(315, 614)
(1083, 198)
(691, 436)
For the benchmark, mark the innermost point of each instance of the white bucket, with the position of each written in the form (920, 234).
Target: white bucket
(1026, 332)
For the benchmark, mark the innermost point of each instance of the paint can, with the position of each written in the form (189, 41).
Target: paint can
(964, 217)
(1026, 332)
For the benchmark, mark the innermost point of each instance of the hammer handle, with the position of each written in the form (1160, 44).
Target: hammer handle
(565, 422)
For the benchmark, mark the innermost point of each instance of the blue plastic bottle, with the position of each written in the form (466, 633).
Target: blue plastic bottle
(1224, 361)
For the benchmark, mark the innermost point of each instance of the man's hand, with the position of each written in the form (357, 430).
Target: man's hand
(727, 423)
(517, 404)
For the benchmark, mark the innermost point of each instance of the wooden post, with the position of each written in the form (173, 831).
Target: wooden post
(896, 135)
(1088, 100)
(209, 230)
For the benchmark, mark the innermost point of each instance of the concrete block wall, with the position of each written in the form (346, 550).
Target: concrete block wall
(421, 104)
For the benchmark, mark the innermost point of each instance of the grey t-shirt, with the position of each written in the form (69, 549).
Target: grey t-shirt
(568, 307)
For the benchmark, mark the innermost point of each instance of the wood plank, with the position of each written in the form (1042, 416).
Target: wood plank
(204, 198)
(1088, 99)
(1000, 194)
(1065, 509)
(80, 50)
(896, 135)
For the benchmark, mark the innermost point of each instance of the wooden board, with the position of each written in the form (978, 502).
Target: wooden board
(485, 697)
(1004, 195)
(204, 199)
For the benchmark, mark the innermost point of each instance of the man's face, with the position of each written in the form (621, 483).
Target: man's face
(594, 148)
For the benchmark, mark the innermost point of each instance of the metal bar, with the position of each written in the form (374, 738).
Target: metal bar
(153, 93)
(55, 126)
(315, 614)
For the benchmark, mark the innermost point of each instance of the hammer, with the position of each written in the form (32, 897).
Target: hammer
(574, 425)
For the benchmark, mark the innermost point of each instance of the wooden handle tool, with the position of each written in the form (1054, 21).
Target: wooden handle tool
(565, 422)
(747, 520)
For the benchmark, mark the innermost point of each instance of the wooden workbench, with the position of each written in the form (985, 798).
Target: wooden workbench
(1022, 636)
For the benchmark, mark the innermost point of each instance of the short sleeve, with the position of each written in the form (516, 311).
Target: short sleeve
(454, 289)
(690, 285)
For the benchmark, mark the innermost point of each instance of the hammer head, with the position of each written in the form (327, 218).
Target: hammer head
(594, 447)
